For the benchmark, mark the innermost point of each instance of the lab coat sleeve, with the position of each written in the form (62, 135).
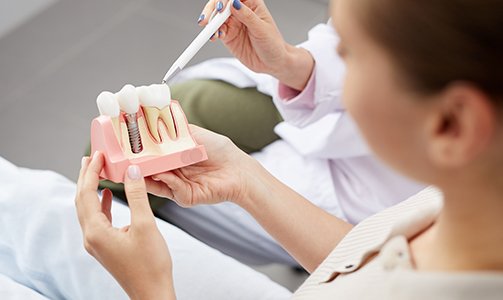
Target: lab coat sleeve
(322, 94)
(316, 123)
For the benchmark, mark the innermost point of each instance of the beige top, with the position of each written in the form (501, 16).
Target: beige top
(390, 274)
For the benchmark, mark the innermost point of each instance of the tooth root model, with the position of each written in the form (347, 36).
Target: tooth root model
(167, 118)
(156, 100)
(129, 103)
(156, 137)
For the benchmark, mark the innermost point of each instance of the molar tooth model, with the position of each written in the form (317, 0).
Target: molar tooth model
(154, 135)
(155, 100)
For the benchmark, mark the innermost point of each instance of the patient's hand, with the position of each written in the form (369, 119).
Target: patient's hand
(136, 255)
(224, 176)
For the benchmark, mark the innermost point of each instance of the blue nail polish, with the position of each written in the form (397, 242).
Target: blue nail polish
(219, 33)
(220, 5)
(201, 17)
(236, 4)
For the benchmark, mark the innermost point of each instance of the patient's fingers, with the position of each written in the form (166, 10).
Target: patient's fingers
(170, 179)
(106, 204)
(87, 201)
(179, 186)
(93, 170)
(158, 188)
(83, 167)
(80, 194)
(136, 194)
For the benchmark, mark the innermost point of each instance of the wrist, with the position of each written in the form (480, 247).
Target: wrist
(296, 68)
(162, 289)
(246, 183)
(255, 185)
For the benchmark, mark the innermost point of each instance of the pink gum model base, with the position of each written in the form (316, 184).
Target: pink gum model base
(103, 139)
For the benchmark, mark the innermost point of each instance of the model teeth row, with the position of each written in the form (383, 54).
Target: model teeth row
(155, 100)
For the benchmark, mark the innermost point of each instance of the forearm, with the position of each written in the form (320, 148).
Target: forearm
(307, 232)
(296, 68)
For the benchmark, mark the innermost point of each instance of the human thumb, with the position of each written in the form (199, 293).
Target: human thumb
(136, 194)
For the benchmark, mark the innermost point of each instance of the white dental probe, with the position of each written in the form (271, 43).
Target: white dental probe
(201, 39)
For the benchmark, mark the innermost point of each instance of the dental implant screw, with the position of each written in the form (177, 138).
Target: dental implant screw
(134, 133)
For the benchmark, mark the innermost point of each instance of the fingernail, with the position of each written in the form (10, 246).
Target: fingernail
(133, 172)
(107, 191)
(219, 33)
(201, 17)
(236, 4)
(95, 155)
(220, 5)
(154, 178)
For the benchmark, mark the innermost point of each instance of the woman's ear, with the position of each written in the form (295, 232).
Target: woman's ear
(461, 126)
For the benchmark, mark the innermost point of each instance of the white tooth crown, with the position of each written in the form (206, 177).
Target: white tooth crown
(108, 105)
(128, 99)
(162, 127)
(155, 100)
(155, 95)
(142, 93)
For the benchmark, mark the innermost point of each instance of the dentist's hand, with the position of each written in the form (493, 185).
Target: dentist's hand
(252, 36)
(136, 255)
(224, 176)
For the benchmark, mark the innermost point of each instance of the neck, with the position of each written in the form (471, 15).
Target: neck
(468, 234)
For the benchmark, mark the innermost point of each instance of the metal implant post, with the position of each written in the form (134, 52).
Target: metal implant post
(134, 133)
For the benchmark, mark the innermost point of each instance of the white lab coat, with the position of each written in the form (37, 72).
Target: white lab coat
(322, 154)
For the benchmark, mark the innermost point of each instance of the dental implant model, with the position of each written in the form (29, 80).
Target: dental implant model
(154, 135)
(130, 104)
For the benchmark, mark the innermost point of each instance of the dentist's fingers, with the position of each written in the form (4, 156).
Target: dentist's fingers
(222, 31)
(213, 37)
(203, 18)
(206, 13)
(208, 9)
(136, 194)
(246, 15)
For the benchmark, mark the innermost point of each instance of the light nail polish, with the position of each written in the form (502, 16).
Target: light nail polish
(220, 5)
(95, 155)
(133, 172)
